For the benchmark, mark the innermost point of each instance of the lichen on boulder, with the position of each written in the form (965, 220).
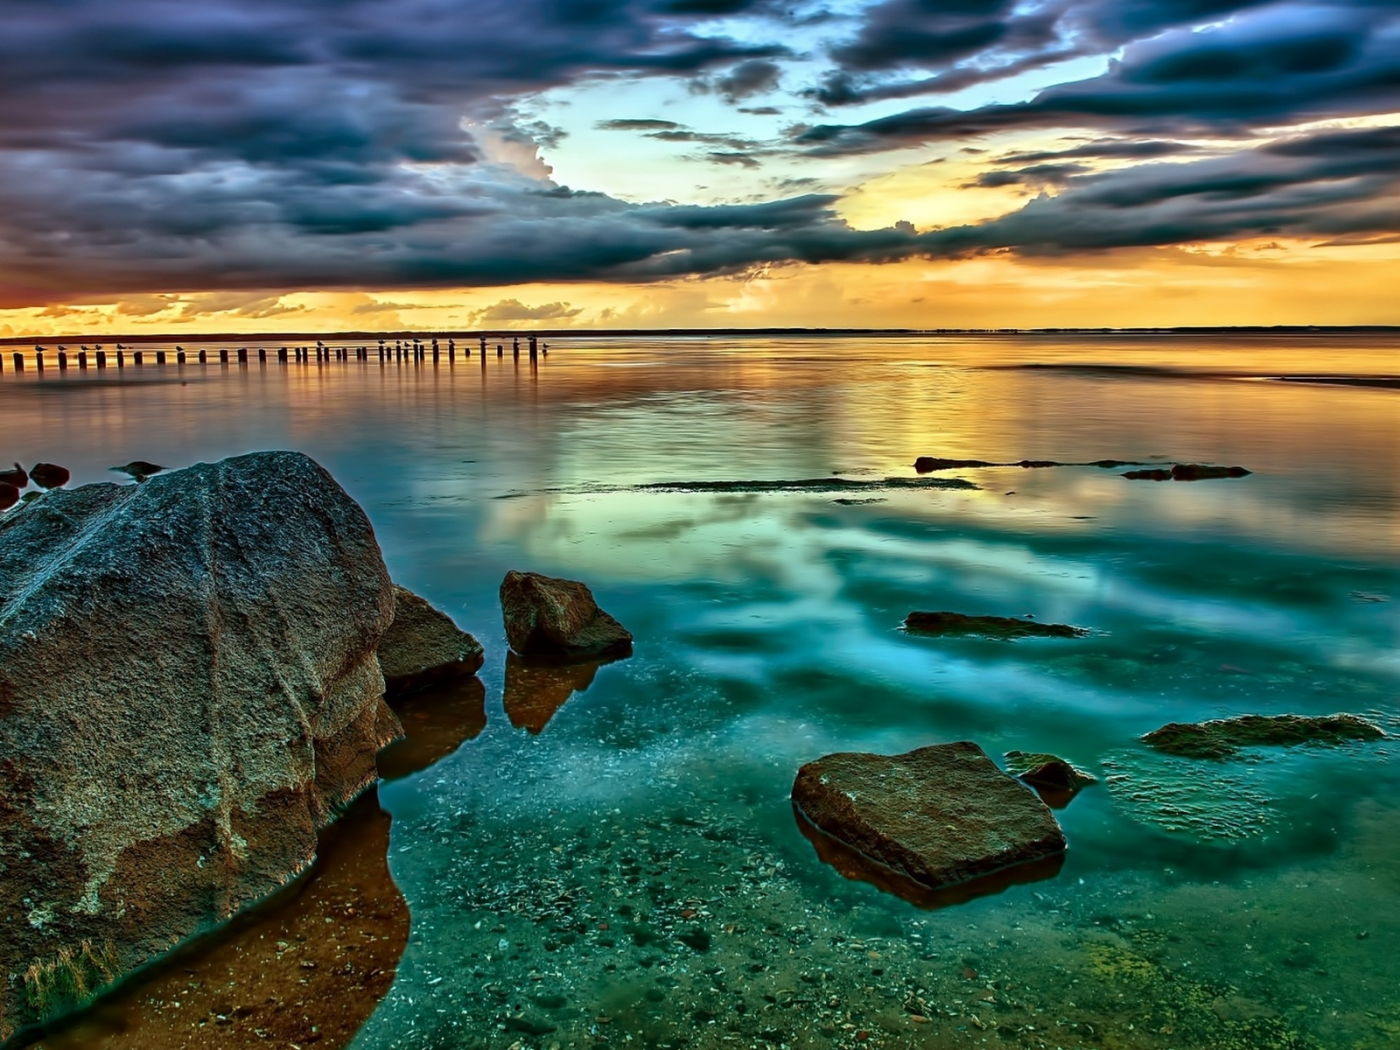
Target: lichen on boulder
(188, 692)
(423, 646)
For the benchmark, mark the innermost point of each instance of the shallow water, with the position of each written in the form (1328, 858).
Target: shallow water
(613, 859)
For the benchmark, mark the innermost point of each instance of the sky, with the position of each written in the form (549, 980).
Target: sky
(322, 165)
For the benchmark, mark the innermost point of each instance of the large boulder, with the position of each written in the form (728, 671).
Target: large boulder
(188, 692)
(551, 619)
(423, 646)
(941, 815)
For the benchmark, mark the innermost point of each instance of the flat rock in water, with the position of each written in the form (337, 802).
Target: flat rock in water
(188, 692)
(553, 619)
(1000, 627)
(941, 815)
(1221, 738)
(423, 646)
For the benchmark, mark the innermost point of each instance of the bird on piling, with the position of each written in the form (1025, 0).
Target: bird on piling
(139, 469)
(49, 475)
(17, 477)
(9, 496)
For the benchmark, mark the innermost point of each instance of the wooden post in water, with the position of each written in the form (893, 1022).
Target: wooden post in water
(262, 355)
(39, 358)
(101, 356)
(282, 354)
(223, 355)
(62, 360)
(500, 350)
(203, 356)
(534, 348)
(179, 355)
(137, 357)
(82, 360)
(242, 355)
(19, 361)
(121, 358)
(483, 345)
(160, 357)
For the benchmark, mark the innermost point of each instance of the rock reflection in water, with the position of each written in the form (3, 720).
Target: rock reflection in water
(536, 692)
(855, 865)
(436, 722)
(308, 966)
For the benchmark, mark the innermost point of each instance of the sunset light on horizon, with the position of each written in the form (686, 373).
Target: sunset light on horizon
(320, 165)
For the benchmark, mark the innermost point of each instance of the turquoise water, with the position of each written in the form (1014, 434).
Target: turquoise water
(613, 861)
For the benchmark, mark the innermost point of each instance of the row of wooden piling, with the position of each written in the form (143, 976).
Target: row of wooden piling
(415, 351)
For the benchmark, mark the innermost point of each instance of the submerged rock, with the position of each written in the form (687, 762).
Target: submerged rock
(552, 619)
(929, 464)
(1202, 472)
(1221, 738)
(941, 815)
(188, 691)
(1155, 474)
(1004, 628)
(1187, 472)
(423, 646)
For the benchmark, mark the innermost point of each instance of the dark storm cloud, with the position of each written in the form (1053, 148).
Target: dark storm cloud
(248, 146)
(1104, 149)
(1034, 175)
(911, 47)
(1278, 64)
(1340, 186)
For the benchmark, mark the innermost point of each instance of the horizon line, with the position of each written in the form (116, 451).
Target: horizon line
(559, 333)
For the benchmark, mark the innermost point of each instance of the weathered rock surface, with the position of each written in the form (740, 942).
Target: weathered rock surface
(552, 619)
(1003, 628)
(941, 815)
(188, 691)
(423, 646)
(1223, 737)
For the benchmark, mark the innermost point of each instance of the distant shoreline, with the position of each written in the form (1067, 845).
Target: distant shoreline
(658, 333)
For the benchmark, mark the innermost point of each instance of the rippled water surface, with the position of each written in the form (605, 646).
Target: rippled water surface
(612, 859)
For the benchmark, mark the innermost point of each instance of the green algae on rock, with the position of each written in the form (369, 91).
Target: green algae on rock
(1225, 737)
(1001, 628)
(941, 815)
(1048, 771)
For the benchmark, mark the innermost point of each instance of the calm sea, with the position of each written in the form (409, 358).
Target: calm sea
(609, 858)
